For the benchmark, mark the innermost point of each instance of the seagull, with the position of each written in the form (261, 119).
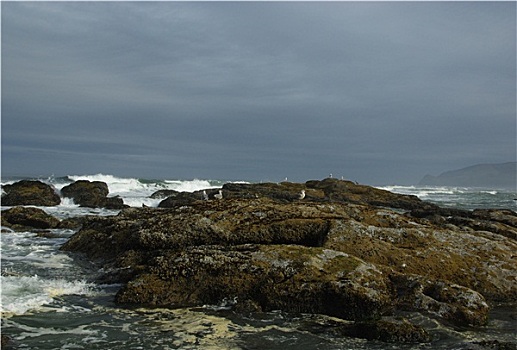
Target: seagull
(302, 195)
(205, 196)
(219, 195)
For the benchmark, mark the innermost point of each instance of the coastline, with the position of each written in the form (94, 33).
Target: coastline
(308, 233)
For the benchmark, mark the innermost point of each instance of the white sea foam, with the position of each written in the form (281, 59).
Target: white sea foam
(136, 193)
(189, 185)
(425, 192)
(31, 272)
(28, 331)
(490, 192)
(21, 294)
(120, 186)
(116, 185)
(39, 260)
(459, 197)
(67, 203)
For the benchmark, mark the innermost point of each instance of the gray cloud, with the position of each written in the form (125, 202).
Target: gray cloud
(377, 92)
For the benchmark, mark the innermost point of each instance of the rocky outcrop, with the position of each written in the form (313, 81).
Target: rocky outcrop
(327, 190)
(339, 251)
(470, 257)
(350, 192)
(177, 199)
(21, 218)
(500, 221)
(287, 277)
(29, 192)
(442, 299)
(92, 194)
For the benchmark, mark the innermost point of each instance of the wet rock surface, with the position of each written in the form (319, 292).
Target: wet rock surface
(289, 277)
(93, 194)
(29, 192)
(389, 331)
(21, 218)
(340, 249)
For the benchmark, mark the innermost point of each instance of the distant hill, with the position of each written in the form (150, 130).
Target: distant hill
(502, 175)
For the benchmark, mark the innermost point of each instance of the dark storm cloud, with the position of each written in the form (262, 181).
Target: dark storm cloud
(378, 92)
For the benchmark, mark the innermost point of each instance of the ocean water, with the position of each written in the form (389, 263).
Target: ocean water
(49, 300)
(461, 197)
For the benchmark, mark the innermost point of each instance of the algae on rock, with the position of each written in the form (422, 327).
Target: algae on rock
(339, 251)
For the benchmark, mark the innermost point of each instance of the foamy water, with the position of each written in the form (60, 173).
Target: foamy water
(50, 301)
(460, 197)
(35, 273)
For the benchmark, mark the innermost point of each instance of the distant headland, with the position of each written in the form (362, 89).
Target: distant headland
(502, 175)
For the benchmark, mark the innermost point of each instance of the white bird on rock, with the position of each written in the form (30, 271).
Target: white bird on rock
(205, 196)
(302, 194)
(219, 195)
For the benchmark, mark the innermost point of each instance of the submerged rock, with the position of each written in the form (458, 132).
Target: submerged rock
(331, 252)
(29, 192)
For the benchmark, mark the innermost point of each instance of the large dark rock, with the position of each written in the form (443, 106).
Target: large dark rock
(347, 191)
(461, 255)
(29, 192)
(231, 222)
(92, 194)
(284, 192)
(178, 199)
(327, 190)
(287, 192)
(446, 300)
(316, 255)
(286, 277)
(500, 221)
(23, 217)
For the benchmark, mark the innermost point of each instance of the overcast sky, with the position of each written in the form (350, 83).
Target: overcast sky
(377, 92)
